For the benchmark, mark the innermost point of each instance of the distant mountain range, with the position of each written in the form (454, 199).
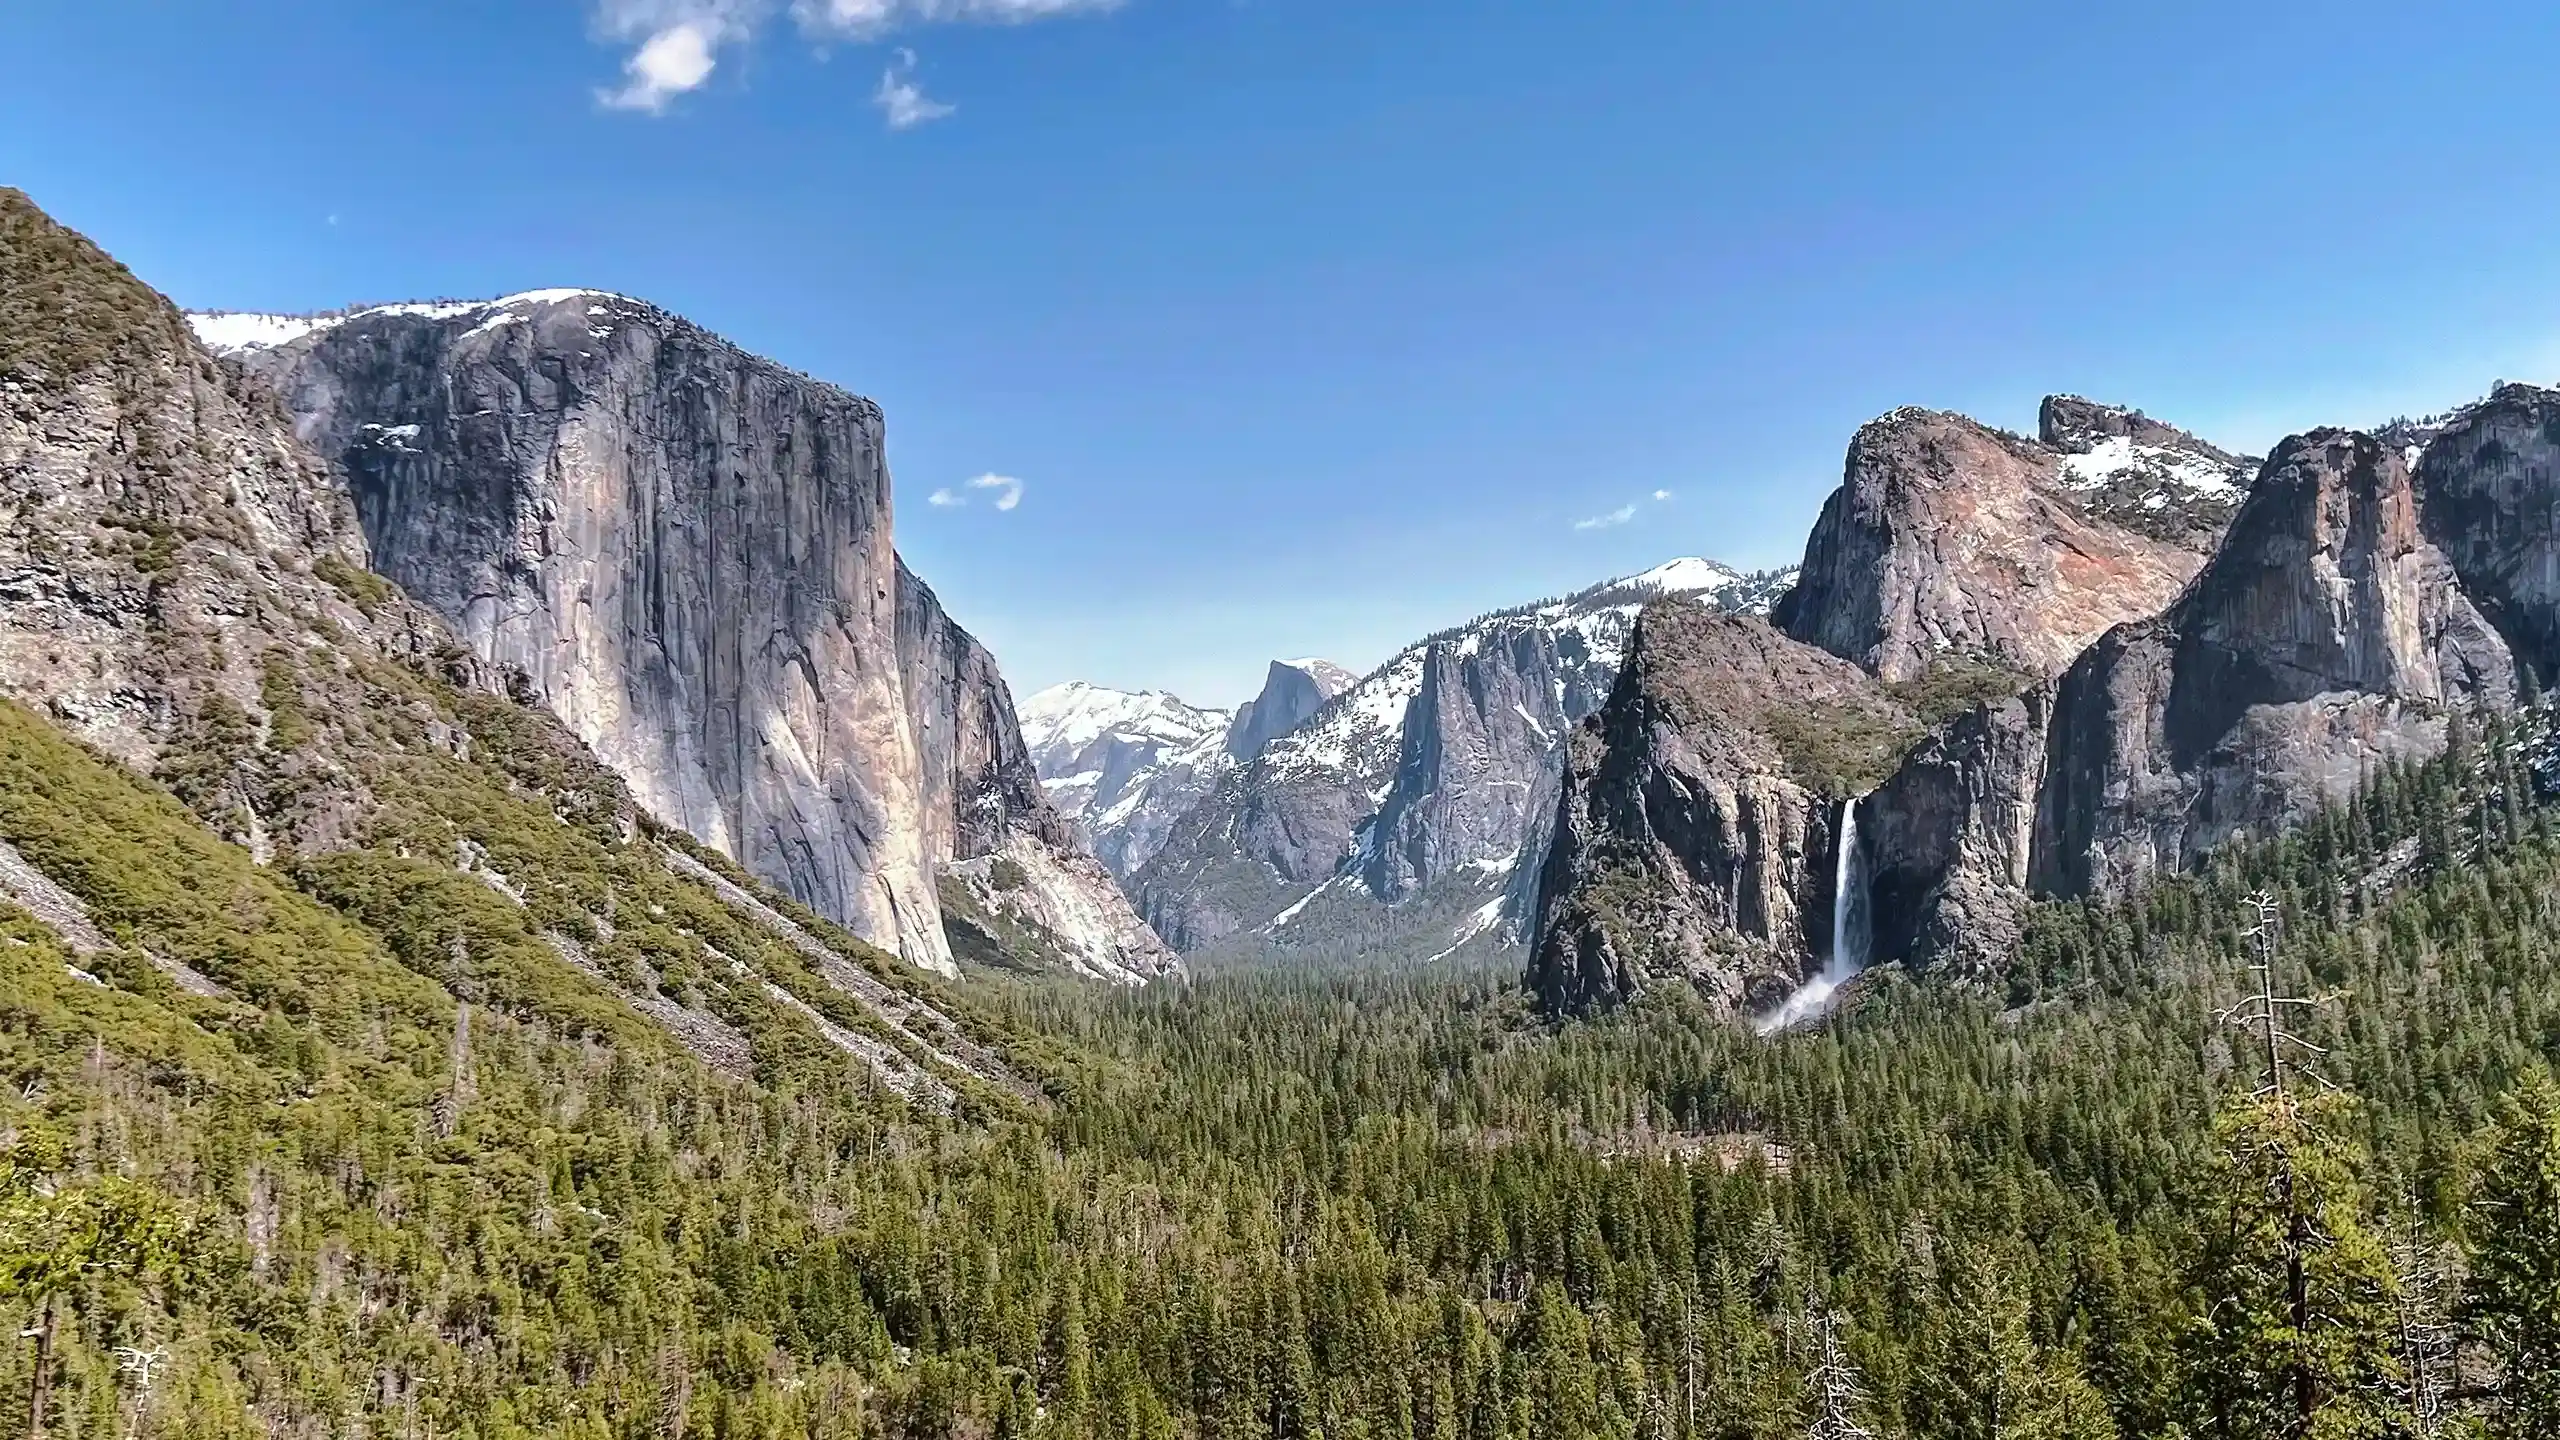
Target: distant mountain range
(1386, 814)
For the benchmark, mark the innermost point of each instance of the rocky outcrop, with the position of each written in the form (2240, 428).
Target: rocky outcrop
(1292, 691)
(2135, 472)
(1698, 823)
(1947, 537)
(683, 548)
(1950, 838)
(169, 557)
(988, 823)
(980, 786)
(2328, 634)
(2490, 491)
(1406, 801)
(1479, 735)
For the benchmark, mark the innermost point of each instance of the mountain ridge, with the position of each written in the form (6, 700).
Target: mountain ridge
(1334, 827)
(2076, 747)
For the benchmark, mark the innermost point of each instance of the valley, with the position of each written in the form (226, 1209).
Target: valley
(523, 914)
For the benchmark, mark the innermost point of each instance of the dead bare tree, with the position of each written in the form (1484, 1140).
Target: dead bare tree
(1837, 1391)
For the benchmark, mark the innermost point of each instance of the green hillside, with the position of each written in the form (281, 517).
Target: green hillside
(1268, 1205)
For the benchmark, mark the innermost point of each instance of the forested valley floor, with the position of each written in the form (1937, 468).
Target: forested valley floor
(393, 1169)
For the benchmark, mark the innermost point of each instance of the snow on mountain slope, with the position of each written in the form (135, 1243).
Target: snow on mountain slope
(1123, 765)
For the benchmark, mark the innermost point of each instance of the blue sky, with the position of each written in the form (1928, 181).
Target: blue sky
(1309, 326)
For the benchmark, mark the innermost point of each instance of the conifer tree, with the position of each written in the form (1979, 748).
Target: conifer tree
(2298, 1302)
(2513, 1303)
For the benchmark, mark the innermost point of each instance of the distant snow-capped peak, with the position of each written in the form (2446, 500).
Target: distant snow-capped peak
(1071, 716)
(1681, 576)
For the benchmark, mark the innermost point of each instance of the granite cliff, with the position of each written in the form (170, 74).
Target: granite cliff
(685, 552)
(349, 819)
(1949, 537)
(2327, 635)
(1699, 810)
(1957, 569)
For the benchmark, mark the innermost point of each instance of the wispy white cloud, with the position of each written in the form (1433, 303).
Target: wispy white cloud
(1007, 493)
(1609, 520)
(678, 44)
(870, 19)
(902, 100)
(1008, 490)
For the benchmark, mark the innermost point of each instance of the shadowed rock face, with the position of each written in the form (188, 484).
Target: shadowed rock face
(988, 823)
(2326, 635)
(1292, 691)
(979, 783)
(1948, 536)
(1951, 836)
(1694, 835)
(2490, 491)
(1475, 736)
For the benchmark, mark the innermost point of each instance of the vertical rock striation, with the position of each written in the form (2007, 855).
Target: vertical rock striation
(685, 551)
(683, 548)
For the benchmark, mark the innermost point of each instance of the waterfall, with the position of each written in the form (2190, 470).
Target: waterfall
(1850, 924)
(1851, 930)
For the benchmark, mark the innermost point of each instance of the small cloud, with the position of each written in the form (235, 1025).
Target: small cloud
(868, 19)
(904, 102)
(1661, 494)
(1008, 493)
(667, 64)
(1619, 516)
(333, 217)
(1009, 490)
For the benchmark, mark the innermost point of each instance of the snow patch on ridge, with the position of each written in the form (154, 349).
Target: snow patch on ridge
(2118, 456)
(235, 332)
